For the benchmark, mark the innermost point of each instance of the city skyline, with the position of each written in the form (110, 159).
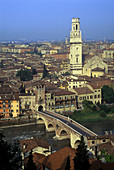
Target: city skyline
(48, 20)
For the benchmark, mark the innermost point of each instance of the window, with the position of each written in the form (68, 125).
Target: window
(76, 26)
(93, 142)
(91, 97)
(77, 60)
(84, 97)
(17, 110)
(104, 140)
(11, 110)
(87, 97)
(95, 96)
(80, 98)
(99, 96)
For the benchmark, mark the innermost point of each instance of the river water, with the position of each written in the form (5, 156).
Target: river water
(25, 132)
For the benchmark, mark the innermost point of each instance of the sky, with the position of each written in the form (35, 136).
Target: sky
(51, 19)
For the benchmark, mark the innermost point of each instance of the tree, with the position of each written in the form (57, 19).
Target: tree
(2, 64)
(67, 167)
(10, 155)
(34, 71)
(107, 94)
(25, 75)
(45, 72)
(81, 160)
(30, 164)
(88, 106)
(102, 113)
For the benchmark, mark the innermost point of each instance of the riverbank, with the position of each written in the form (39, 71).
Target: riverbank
(91, 117)
(17, 122)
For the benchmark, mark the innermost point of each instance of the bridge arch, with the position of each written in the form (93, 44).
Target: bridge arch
(40, 108)
(63, 133)
(77, 142)
(50, 125)
(40, 120)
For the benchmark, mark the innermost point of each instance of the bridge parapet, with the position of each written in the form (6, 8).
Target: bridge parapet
(62, 128)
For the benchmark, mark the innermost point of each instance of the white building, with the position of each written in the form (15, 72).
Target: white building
(75, 48)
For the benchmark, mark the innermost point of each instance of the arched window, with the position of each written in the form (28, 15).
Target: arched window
(77, 60)
(76, 27)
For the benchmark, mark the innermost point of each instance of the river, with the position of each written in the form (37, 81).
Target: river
(25, 132)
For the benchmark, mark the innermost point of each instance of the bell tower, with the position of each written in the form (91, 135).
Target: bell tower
(75, 55)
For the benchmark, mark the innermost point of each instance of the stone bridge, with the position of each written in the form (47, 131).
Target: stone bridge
(64, 127)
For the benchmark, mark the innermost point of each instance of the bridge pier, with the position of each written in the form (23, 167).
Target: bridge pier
(62, 128)
(60, 137)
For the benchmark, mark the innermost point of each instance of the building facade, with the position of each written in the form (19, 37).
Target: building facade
(61, 101)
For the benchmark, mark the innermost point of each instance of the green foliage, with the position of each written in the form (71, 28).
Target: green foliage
(10, 155)
(55, 76)
(67, 167)
(108, 94)
(2, 64)
(108, 158)
(45, 72)
(34, 71)
(81, 160)
(67, 73)
(88, 106)
(102, 113)
(104, 108)
(30, 164)
(25, 75)
(112, 109)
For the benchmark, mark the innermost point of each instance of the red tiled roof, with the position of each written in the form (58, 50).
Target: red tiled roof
(57, 160)
(109, 148)
(33, 143)
(83, 90)
(97, 165)
(62, 92)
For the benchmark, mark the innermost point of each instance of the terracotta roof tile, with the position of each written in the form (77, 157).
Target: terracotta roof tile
(33, 143)
(57, 160)
(83, 90)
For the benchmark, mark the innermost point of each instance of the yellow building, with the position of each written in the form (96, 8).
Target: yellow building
(89, 92)
(53, 51)
(74, 83)
(15, 108)
(60, 101)
(108, 53)
(65, 65)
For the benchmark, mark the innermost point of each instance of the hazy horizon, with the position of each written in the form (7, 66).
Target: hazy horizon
(51, 20)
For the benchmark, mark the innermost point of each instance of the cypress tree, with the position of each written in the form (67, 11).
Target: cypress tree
(81, 160)
(30, 164)
(67, 167)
